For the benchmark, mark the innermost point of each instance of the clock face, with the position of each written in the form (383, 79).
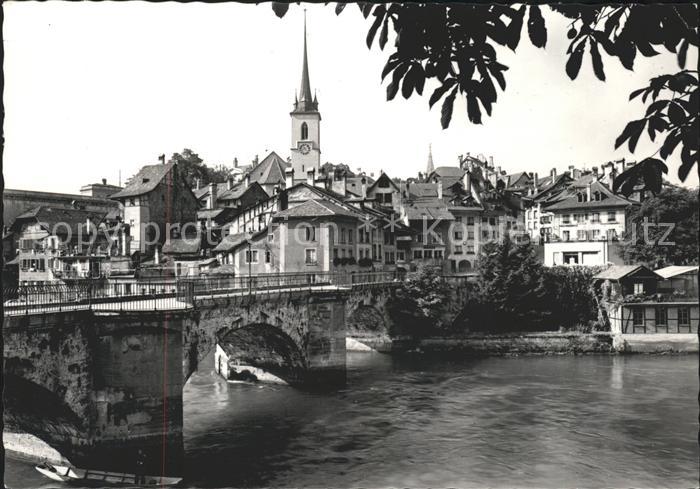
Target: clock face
(304, 148)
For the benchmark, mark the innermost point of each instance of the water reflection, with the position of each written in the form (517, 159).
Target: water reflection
(594, 421)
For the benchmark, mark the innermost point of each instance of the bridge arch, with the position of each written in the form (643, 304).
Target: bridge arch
(261, 346)
(35, 410)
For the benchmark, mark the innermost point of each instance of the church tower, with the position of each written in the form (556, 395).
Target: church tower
(430, 167)
(306, 125)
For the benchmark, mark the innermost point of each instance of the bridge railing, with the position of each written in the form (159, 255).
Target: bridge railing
(148, 295)
(96, 295)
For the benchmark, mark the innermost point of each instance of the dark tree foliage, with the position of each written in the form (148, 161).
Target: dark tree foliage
(419, 303)
(192, 167)
(673, 206)
(510, 290)
(458, 44)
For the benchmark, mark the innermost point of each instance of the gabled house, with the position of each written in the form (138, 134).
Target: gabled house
(269, 173)
(230, 194)
(63, 243)
(156, 201)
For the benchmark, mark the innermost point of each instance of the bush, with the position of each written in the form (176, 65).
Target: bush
(365, 262)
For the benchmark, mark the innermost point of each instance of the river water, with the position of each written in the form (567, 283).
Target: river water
(564, 421)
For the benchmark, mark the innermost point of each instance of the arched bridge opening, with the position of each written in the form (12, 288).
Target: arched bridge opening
(253, 351)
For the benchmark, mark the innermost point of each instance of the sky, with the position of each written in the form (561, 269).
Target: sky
(98, 89)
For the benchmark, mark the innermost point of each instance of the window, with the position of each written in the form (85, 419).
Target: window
(581, 235)
(310, 233)
(427, 253)
(661, 316)
(132, 202)
(566, 218)
(438, 254)
(638, 288)
(595, 217)
(470, 234)
(335, 253)
(612, 217)
(492, 221)
(596, 233)
(470, 249)
(351, 232)
(684, 316)
(458, 250)
(310, 256)
(638, 316)
(566, 235)
(251, 256)
(400, 256)
(304, 131)
(417, 254)
(484, 220)
(484, 234)
(268, 256)
(459, 235)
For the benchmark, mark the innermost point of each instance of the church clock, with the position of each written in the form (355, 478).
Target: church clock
(304, 148)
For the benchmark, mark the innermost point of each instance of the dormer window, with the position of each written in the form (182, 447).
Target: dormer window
(304, 131)
(582, 198)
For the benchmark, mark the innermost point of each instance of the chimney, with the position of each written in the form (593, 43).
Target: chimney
(467, 182)
(255, 161)
(535, 180)
(211, 200)
(553, 174)
(339, 182)
(235, 162)
(595, 171)
(104, 181)
(156, 255)
(577, 173)
(498, 171)
(246, 180)
(363, 193)
(197, 183)
(288, 177)
(439, 189)
(310, 177)
(420, 176)
(229, 183)
(491, 161)
(621, 166)
(588, 192)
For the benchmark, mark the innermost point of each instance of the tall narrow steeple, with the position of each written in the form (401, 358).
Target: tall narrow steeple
(431, 167)
(306, 102)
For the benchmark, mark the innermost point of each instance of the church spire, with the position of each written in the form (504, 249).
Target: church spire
(430, 168)
(305, 103)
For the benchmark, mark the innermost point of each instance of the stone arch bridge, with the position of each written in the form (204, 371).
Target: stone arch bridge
(98, 377)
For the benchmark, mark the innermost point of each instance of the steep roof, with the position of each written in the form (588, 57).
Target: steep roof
(269, 171)
(315, 208)
(436, 211)
(608, 199)
(448, 171)
(181, 246)
(617, 272)
(145, 181)
(385, 177)
(675, 270)
(422, 190)
(60, 219)
(231, 241)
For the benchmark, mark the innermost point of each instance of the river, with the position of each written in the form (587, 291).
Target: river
(564, 421)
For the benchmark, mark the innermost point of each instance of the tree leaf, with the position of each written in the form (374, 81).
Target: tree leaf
(379, 13)
(447, 106)
(280, 8)
(597, 61)
(676, 114)
(536, 27)
(473, 110)
(391, 63)
(573, 65)
(632, 132)
(339, 7)
(682, 53)
(515, 28)
(409, 82)
(688, 161)
(670, 144)
(384, 34)
(440, 91)
(636, 93)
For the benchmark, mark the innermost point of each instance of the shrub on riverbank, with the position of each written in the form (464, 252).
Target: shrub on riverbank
(419, 303)
(515, 292)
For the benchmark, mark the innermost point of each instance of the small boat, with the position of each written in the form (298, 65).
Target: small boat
(101, 478)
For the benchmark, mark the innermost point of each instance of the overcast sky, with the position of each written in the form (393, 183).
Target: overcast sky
(95, 88)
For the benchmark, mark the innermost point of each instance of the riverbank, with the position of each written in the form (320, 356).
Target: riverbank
(544, 343)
